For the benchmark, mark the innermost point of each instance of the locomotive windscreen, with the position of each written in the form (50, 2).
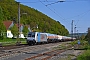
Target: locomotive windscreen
(31, 34)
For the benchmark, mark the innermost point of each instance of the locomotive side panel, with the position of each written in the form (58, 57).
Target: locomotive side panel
(42, 37)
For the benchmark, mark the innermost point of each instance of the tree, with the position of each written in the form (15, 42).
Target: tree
(87, 37)
(14, 30)
(2, 29)
(82, 37)
(25, 30)
(1, 13)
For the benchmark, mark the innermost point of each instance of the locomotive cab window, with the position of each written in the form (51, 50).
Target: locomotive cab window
(31, 34)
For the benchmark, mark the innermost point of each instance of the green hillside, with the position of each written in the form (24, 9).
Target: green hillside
(9, 11)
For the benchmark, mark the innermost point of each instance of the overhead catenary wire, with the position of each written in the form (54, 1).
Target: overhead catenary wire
(52, 3)
(60, 1)
(36, 1)
(57, 13)
(83, 14)
(52, 10)
(78, 15)
(1, 2)
(82, 0)
(49, 4)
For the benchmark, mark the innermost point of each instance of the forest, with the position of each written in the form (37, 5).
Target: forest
(33, 18)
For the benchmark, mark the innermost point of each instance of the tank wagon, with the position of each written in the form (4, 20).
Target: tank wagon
(52, 37)
(59, 37)
(65, 38)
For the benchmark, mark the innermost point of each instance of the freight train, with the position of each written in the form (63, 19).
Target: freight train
(38, 37)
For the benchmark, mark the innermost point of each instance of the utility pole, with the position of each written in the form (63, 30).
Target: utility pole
(18, 42)
(19, 17)
(75, 31)
(72, 29)
(77, 35)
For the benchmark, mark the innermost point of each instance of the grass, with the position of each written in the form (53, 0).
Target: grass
(63, 46)
(60, 47)
(9, 41)
(84, 56)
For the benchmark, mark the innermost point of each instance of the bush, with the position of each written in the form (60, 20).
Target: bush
(1, 37)
(84, 56)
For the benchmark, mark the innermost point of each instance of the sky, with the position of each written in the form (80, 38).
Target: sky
(64, 12)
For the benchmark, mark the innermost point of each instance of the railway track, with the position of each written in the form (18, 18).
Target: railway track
(46, 55)
(25, 51)
(12, 47)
